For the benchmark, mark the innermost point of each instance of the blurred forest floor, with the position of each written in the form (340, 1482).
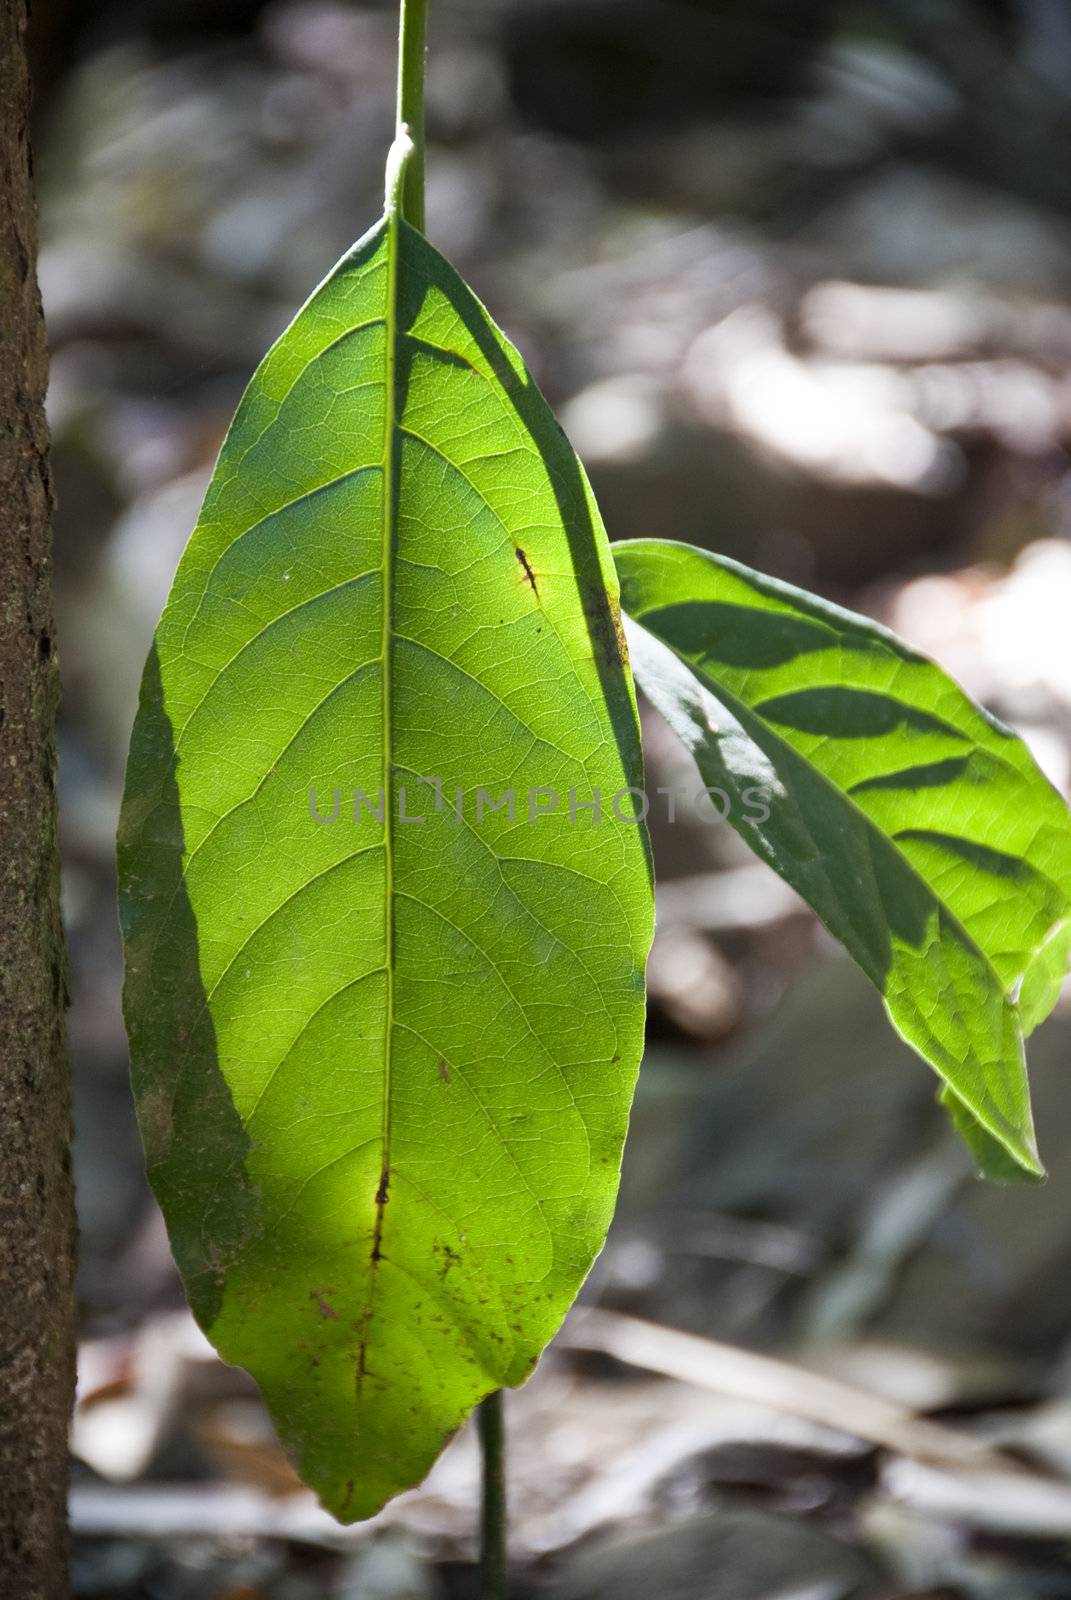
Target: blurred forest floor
(798, 279)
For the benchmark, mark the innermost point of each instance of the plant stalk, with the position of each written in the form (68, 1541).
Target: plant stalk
(493, 1522)
(412, 34)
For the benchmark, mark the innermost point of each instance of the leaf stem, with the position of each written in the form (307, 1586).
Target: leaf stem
(412, 33)
(493, 1522)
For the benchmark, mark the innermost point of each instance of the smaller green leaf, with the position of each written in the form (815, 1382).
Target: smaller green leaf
(917, 826)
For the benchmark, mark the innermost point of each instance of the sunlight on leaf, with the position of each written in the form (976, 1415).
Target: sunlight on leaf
(384, 1065)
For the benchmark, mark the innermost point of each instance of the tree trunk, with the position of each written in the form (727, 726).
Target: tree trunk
(37, 1236)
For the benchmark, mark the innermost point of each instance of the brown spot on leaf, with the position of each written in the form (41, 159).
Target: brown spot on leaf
(526, 568)
(382, 1196)
(450, 1257)
(323, 1304)
(602, 613)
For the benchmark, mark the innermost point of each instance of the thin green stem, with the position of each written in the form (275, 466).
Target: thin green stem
(413, 24)
(493, 1523)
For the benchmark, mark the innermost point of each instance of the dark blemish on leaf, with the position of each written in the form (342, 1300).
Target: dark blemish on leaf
(451, 1258)
(603, 618)
(614, 1059)
(526, 567)
(382, 1196)
(444, 1072)
(323, 1305)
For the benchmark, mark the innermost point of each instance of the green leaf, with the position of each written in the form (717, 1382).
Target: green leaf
(917, 826)
(383, 1067)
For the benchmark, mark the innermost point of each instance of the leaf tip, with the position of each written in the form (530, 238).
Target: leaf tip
(1012, 1159)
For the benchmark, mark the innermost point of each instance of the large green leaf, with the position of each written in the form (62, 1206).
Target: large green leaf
(917, 826)
(383, 1067)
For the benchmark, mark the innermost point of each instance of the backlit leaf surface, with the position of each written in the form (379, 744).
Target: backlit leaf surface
(383, 1066)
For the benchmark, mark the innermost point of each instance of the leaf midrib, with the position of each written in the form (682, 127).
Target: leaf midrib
(389, 534)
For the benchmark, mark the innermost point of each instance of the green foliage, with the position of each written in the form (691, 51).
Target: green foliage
(917, 826)
(384, 939)
(383, 1068)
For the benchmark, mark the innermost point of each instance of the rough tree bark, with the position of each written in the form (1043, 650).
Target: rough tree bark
(36, 1192)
